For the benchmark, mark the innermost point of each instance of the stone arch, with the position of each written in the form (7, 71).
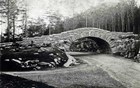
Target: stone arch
(104, 46)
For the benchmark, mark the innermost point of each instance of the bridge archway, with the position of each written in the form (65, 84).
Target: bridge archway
(91, 44)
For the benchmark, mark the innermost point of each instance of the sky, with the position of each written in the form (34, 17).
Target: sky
(66, 8)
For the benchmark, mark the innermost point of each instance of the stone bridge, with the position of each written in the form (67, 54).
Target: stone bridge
(101, 37)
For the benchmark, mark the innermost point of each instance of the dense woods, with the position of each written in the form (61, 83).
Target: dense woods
(122, 17)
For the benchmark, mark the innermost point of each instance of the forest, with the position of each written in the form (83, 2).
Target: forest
(122, 17)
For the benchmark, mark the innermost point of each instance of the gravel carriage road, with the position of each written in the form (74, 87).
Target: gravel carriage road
(105, 71)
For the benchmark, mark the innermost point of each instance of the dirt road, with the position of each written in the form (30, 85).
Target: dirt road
(125, 71)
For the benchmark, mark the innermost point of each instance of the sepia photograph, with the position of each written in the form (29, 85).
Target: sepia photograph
(69, 43)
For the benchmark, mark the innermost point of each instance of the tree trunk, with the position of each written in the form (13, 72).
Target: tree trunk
(13, 28)
(8, 21)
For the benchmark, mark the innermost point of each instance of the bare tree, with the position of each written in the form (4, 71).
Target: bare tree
(9, 9)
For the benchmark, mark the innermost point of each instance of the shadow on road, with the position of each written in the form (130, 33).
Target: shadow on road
(8, 81)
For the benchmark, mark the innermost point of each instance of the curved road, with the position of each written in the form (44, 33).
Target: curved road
(124, 70)
(95, 72)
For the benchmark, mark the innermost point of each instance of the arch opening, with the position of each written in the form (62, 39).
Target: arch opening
(90, 44)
